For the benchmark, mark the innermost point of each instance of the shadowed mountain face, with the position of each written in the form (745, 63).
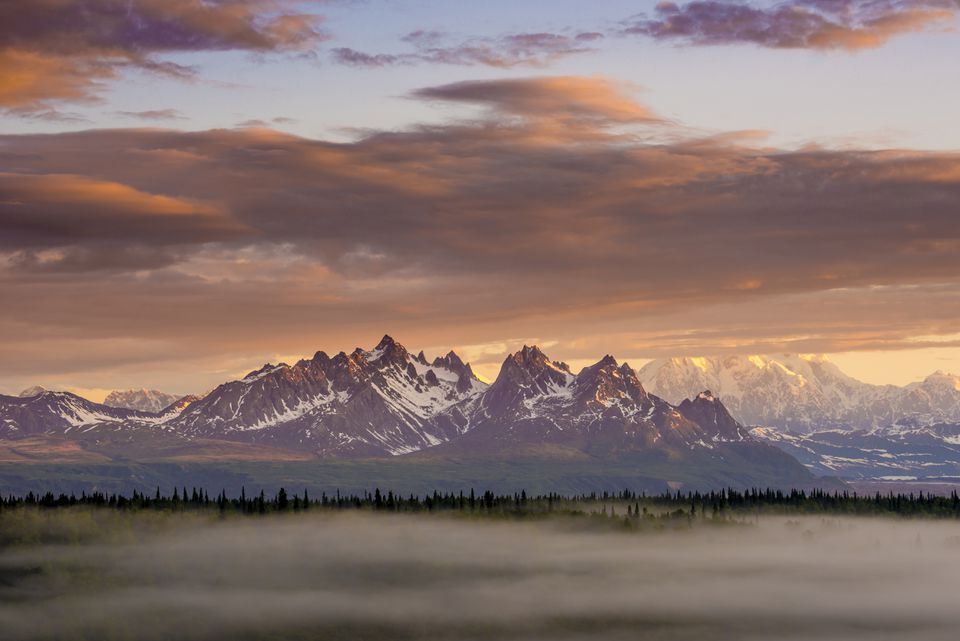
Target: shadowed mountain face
(389, 402)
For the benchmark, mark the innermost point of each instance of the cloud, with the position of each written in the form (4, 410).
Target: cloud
(792, 24)
(534, 49)
(153, 114)
(66, 50)
(572, 97)
(48, 207)
(796, 24)
(554, 212)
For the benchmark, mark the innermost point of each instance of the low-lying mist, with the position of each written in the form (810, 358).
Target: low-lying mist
(389, 577)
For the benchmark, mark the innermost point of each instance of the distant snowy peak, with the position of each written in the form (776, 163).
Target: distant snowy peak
(801, 392)
(143, 400)
(36, 390)
(940, 381)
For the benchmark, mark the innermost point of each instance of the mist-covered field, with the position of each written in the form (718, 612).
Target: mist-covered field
(112, 575)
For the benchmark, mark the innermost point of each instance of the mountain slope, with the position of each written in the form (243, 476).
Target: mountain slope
(803, 393)
(57, 412)
(900, 452)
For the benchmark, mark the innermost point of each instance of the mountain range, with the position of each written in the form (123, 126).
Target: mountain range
(832, 423)
(804, 393)
(387, 403)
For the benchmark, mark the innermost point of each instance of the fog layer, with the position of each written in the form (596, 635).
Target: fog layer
(431, 578)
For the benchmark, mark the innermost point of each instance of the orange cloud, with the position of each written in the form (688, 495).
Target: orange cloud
(234, 240)
(54, 51)
(568, 97)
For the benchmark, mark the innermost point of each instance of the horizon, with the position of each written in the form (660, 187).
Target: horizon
(487, 372)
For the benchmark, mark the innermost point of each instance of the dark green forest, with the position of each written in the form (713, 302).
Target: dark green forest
(627, 505)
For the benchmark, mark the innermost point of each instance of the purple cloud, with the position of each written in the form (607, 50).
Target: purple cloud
(511, 50)
(796, 24)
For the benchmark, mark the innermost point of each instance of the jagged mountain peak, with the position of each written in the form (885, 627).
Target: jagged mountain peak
(609, 359)
(532, 358)
(387, 350)
(607, 368)
(451, 359)
(941, 378)
(606, 382)
(710, 414)
(386, 342)
(268, 368)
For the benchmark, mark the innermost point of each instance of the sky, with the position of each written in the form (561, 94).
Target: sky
(189, 189)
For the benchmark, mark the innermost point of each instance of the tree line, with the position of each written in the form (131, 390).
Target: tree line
(626, 503)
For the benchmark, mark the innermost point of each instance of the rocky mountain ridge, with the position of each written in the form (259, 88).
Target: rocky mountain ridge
(387, 401)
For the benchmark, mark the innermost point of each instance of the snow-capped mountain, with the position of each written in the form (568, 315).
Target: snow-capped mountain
(140, 399)
(32, 391)
(537, 404)
(803, 393)
(388, 402)
(366, 403)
